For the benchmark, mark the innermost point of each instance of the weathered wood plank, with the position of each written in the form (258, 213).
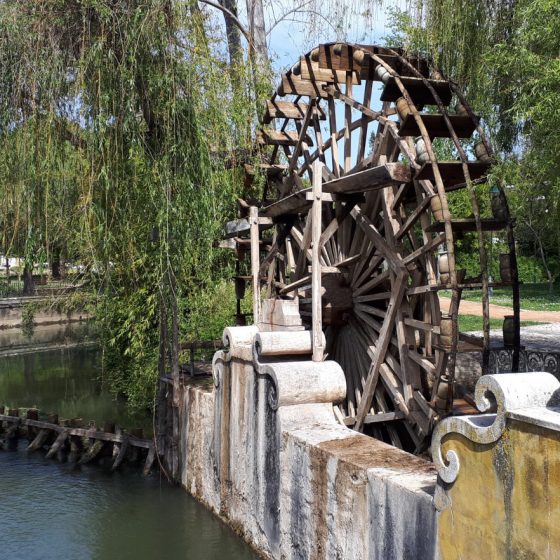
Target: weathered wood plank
(289, 110)
(452, 172)
(312, 71)
(280, 137)
(374, 178)
(418, 91)
(316, 227)
(293, 204)
(437, 127)
(469, 224)
(295, 85)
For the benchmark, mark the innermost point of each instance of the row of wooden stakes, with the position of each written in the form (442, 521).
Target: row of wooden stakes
(69, 440)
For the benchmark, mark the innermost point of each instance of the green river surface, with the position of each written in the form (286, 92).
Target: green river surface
(54, 510)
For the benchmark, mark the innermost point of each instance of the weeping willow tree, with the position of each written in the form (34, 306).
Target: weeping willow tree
(458, 35)
(116, 127)
(505, 55)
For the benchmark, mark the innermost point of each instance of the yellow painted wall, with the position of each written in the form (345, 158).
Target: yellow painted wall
(505, 502)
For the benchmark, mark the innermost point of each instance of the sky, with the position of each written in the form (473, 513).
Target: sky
(297, 34)
(289, 39)
(360, 21)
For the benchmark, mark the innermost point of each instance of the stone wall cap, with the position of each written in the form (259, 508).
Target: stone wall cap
(548, 417)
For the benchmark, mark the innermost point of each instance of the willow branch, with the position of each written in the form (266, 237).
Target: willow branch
(231, 15)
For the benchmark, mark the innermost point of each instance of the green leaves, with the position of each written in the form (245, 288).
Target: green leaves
(115, 121)
(506, 56)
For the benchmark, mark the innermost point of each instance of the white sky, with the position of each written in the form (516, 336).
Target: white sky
(289, 39)
(294, 35)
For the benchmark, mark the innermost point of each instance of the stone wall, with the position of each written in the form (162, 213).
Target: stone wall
(262, 449)
(499, 489)
(11, 313)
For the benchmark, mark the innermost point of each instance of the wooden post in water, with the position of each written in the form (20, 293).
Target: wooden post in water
(32, 414)
(12, 433)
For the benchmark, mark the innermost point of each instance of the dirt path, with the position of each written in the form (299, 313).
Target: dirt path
(499, 311)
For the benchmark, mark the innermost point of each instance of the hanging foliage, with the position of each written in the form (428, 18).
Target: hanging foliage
(116, 129)
(504, 53)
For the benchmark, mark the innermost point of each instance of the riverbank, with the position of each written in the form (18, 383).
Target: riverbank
(264, 451)
(32, 311)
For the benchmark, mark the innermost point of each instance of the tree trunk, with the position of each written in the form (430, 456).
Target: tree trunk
(232, 33)
(549, 275)
(28, 284)
(55, 264)
(257, 29)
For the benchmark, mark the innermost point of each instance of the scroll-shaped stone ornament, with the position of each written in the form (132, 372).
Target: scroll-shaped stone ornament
(296, 381)
(496, 395)
(218, 366)
(238, 342)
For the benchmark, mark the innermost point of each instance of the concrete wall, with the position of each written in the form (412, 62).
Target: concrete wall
(502, 495)
(266, 454)
(11, 310)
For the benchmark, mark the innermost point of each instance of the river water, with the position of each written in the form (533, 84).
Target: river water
(54, 510)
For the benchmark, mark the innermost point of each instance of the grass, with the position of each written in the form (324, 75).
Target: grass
(532, 296)
(469, 323)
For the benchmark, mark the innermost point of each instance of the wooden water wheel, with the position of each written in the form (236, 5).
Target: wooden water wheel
(366, 119)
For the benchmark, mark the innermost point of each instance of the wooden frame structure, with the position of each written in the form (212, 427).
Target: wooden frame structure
(362, 234)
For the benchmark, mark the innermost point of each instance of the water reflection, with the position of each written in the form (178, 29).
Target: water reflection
(53, 511)
(68, 382)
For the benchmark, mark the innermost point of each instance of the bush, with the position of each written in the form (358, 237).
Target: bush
(211, 310)
(530, 268)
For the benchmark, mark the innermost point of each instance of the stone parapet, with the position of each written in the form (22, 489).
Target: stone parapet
(264, 451)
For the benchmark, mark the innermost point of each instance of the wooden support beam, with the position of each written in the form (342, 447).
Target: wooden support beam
(94, 450)
(376, 418)
(427, 248)
(381, 347)
(316, 226)
(428, 327)
(255, 262)
(39, 440)
(58, 443)
(413, 218)
(149, 461)
(303, 138)
(394, 262)
(121, 453)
